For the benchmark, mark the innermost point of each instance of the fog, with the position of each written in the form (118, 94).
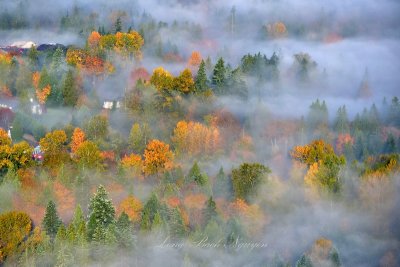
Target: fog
(351, 42)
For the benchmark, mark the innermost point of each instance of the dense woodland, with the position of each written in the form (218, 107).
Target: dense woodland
(161, 144)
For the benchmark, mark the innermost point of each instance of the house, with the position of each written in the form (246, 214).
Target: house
(108, 104)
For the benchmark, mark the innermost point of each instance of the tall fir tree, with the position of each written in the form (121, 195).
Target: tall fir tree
(118, 25)
(51, 221)
(209, 211)
(219, 76)
(69, 90)
(196, 176)
(201, 79)
(341, 124)
(101, 212)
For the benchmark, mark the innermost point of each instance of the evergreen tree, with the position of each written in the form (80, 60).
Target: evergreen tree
(394, 112)
(389, 145)
(209, 211)
(51, 221)
(304, 261)
(177, 227)
(61, 236)
(101, 212)
(69, 90)
(196, 176)
(150, 209)
(33, 57)
(124, 232)
(118, 25)
(201, 79)
(222, 186)
(57, 62)
(334, 258)
(76, 230)
(145, 224)
(219, 76)
(341, 124)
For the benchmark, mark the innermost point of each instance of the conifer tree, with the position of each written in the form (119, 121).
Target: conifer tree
(201, 79)
(51, 221)
(219, 76)
(101, 213)
(196, 176)
(341, 124)
(69, 91)
(210, 210)
(304, 261)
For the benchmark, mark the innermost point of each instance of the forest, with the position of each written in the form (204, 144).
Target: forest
(200, 133)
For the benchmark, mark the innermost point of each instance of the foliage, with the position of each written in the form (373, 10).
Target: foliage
(15, 227)
(247, 178)
(324, 165)
(88, 155)
(157, 157)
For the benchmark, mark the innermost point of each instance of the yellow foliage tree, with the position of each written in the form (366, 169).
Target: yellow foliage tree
(194, 138)
(132, 163)
(161, 79)
(54, 148)
(184, 82)
(15, 227)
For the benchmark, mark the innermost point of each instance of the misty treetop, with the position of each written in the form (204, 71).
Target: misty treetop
(199, 133)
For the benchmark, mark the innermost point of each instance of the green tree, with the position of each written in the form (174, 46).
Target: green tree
(69, 90)
(33, 57)
(341, 124)
(177, 228)
(57, 62)
(201, 81)
(196, 176)
(101, 213)
(96, 128)
(247, 178)
(118, 25)
(222, 185)
(124, 231)
(219, 76)
(76, 230)
(51, 221)
(209, 211)
(304, 261)
(88, 155)
(139, 137)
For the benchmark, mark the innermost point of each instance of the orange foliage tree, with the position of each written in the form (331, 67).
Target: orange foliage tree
(78, 137)
(157, 157)
(94, 39)
(41, 93)
(195, 60)
(132, 207)
(277, 29)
